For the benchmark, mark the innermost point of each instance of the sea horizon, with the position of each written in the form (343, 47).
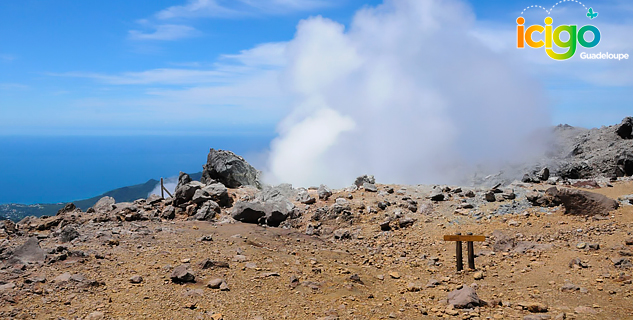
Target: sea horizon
(58, 169)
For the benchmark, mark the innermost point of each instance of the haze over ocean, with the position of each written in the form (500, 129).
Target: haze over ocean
(62, 169)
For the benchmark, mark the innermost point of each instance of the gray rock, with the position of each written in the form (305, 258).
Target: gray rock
(105, 204)
(215, 283)
(464, 298)
(153, 199)
(543, 174)
(537, 317)
(96, 315)
(70, 207)
(29, 252)
(277, 211)
(625, 129)
(280, 192)
(622, 263)
(304, 197)
(342, 234)
(207, 211)
(436, 194)
(185, 190)
(216, 192)
(181, 274)
(68, 234)
(229, 169)
(405, 222)
(360, 181)
(370, 187)
(136, 279)
(169, 212)
(248, 212)
(324, 192)
(569, 287)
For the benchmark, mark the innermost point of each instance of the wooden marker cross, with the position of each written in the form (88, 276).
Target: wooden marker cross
(469, 238)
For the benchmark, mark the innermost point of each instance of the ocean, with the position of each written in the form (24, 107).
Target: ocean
(63, 169)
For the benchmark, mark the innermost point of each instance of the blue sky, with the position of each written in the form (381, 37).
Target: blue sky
(210, 67)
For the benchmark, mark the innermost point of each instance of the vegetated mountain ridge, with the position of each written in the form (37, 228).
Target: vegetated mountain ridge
(17, 212)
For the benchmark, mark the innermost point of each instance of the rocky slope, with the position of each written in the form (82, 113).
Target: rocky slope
(554, 249)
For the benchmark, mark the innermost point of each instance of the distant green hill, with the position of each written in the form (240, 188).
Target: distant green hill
(17, 212)
(125, 194)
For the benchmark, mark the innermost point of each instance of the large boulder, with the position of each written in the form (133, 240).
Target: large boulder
(216, 192)
(229, 169)
(248, 212)
(271, 212)
(580, 202)
(625, 129)
(185, 189)
(277, 211)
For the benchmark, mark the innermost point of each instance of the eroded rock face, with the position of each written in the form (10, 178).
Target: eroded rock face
(580, 202)
(229, 169)
(30, 251)
(625, 129)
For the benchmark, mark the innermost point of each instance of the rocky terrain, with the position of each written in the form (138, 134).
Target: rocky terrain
(228, 247)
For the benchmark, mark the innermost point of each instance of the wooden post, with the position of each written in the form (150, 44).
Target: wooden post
(469, 238)
(471, 253)
(162, 189)
(458, 254)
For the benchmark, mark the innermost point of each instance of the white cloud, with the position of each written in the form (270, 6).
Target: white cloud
(7, 57)
(165, 32)
(267, 54)
(239, 8)
(13, 86)
(405, 93)
(155, 76)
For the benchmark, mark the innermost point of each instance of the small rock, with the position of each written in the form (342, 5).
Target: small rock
(414, 286)
(464, 298)
(537, 317)
(432, 283)
(581, 245)
(215, 283)
(97, 315)
(136, 279)
(182, 275)
(324, 192)
(394, 275)
(622, 263)
(478, 275)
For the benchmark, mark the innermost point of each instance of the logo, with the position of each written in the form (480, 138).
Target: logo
(553, 36)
